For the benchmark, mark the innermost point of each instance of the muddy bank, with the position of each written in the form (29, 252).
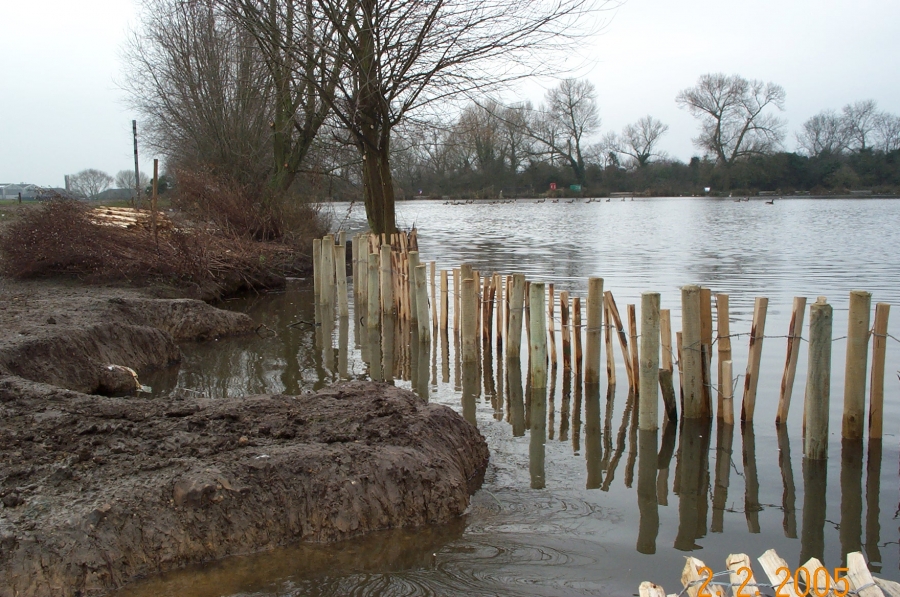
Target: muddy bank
(67, 335)
(103, 490)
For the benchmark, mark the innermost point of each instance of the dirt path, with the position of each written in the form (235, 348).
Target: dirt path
(98, 490)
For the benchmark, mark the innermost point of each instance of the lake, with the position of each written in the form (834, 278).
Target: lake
(616, 506)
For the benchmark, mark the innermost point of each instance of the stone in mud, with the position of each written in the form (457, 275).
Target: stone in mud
(117, 380)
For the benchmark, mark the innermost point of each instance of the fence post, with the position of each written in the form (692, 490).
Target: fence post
(692, 369)
(876, 387)
(468, 316)
(790, 366)
(648, 397)
(751, 379)
(538, 341)
(594, 328)
(421, 280)
(818, 381)
(857, 356)
(516, 310)
(723, 340)
(372, 314)
(326, 278)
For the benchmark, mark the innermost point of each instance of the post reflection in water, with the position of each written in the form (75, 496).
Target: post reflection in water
(328, 339)
(445, 357)
(789, 496)
(423, 350)
(873, 506)
(551, 414)
(516, 400)
(751, 479)
(343, 330)
(692, 478)
(851, 496)
(664, 461)
(373, 335)
(648, 527)
(470, 391)
(576, 414)
(812, 535)
(536, 446)
(565, 408)
(620, 437)
(592, 440)
(490, 390)
(724, 443)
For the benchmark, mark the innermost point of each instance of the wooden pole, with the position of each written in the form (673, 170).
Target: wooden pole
(576, 338)
(795, 331)
(666, 369)
(594, 329)
(876, 386)
(706, 344)
(373, 317)
(498, 290)
(648, 396)
(386, 281)
(727, 390)
(317, 267)
(153, 198)
(552, 325)
(468, 317)
(538, 342)
(723, 341)
(692, 369)
(434, 304)
(457, 293)
(354, 260)
(340, 272)
(623, 336)
(635, 358)
(857, 357)
(486, 311)
(421, 279)
(516, 310)
(410, 286)
(751, 379)
(327, 275)
(818, 381)
(610, 355)
(444, 300)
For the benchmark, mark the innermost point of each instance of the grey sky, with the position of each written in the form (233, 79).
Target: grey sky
(61, 110)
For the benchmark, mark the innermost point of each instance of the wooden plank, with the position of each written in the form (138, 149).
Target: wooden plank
(739, 566)
(811, 572)
(888, 587)
(861, 580)
(692, 579)
(771, 563)
(648, 589)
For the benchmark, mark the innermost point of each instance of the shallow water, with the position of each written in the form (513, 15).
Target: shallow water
(617, 506)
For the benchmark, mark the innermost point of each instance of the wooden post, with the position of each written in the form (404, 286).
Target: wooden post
(373, 317)
(635, 358)
(421, 280)
(516, 310)
(354, 261)
(444, 298)
(552, 325)
(411, 288)
(623, 336)
(468, 316)
(751, 379)
(857, 357)
(610, 355)
(340, 272)
(727, 390)
(648, 396)
(317, 267)
(434, 304)
(457, 293)
(818, 381)
(153, 199)
(795, 332)
(486, 311)
(876, 386)
(576, 338)
(498, 290)
(723, 341)
(594, 328)
(692, 369)
(666, 369)
(706, 344)
(327, 275)
(386, 281)
(538, 342)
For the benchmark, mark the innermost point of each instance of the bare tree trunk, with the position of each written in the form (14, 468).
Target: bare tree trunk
(379, 187)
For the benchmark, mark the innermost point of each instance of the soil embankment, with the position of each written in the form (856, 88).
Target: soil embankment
(98, 490)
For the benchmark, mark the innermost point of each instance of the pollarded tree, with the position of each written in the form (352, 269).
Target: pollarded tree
(639, 140)
(400, 55)
(90, 183)
(736, 119)
(564, 122)
(824, 133)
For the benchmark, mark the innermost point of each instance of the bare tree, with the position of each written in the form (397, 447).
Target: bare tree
(639, 140)
(735, 116)
(887, 130)
(824, 133)
(859, 119)
(125, 179)
(569, 115)
(400, 55)
(90, 183)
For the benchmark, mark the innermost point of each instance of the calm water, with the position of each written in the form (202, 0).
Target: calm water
(617, 506)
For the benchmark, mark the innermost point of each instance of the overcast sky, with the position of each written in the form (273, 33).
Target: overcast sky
(61, 110)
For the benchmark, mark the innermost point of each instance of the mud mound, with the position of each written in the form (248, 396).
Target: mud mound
(107, 489)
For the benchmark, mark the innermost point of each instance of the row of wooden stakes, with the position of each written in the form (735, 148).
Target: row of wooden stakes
(390, 279)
